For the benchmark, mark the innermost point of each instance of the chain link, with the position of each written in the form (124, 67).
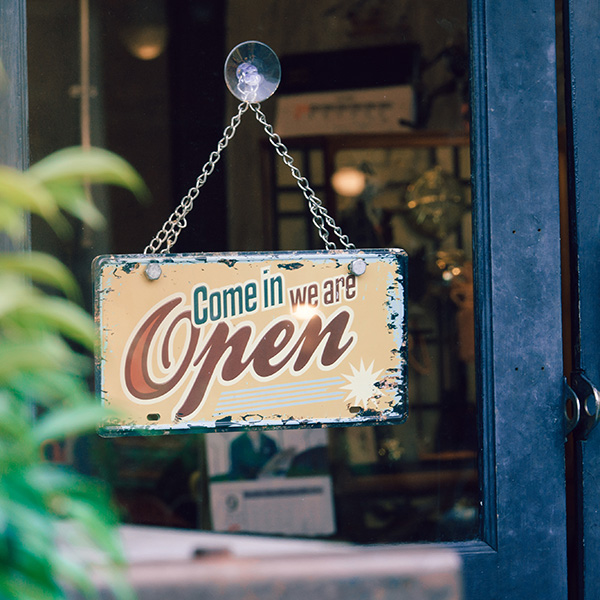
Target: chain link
(168, 234)
(317, 210)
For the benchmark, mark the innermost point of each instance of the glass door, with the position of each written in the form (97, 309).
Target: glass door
(517, 547)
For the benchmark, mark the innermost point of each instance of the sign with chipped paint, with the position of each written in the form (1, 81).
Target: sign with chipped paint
(286, 339)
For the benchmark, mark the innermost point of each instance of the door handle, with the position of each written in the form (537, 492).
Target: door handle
(585, 401)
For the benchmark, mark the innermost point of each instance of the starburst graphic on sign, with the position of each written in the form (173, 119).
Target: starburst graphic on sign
(362, 386)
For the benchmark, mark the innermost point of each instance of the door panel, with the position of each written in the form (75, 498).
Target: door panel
(582, 50)
(516, 224)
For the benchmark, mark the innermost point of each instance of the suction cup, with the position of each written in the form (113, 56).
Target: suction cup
(252, 71)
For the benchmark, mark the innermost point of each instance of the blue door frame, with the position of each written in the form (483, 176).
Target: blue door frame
(522, 550)
(517, 243)
(14, 141)
(582, 48)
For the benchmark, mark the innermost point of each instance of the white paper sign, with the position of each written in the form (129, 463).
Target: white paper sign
(273, 482)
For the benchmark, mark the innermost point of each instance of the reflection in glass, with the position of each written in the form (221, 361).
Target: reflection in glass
(417, 481)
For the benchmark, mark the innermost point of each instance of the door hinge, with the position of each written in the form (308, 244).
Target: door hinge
(582, 405)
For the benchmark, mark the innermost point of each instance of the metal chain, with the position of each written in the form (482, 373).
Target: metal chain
(173, 226)
(318, 211)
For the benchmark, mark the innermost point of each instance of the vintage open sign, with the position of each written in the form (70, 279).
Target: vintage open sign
(211, 342)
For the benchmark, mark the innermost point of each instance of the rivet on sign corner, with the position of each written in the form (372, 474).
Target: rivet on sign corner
(153, 271)
(357, 267)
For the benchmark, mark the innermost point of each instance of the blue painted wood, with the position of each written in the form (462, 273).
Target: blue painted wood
(14, 142)
(14, 148)
(517, 267)
(582, 50)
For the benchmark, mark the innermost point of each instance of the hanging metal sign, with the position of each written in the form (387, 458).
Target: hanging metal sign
(209, 341)
(191, 342)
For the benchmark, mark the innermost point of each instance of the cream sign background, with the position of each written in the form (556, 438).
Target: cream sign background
(251, 339)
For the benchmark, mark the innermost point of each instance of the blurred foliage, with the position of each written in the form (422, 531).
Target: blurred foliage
(53, 521)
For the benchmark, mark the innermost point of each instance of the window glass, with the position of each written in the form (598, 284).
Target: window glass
(396, 129)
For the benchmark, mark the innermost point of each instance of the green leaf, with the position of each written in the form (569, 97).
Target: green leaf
(14, 293)
(12, 221)
(52, 387)
(54, 480)
(14, 427)
(42, 353)
(94, 165)
(41, 268)
(48, 478)
(72, 198)
(17, 587)
(74, 573)
(24, 192)
(60, 315)
(61, 423)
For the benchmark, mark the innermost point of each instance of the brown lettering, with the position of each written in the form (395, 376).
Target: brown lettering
(313, 335)
(216, 347)
(328, 292)
(270, 346)
(138, 380)
(229, 352)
